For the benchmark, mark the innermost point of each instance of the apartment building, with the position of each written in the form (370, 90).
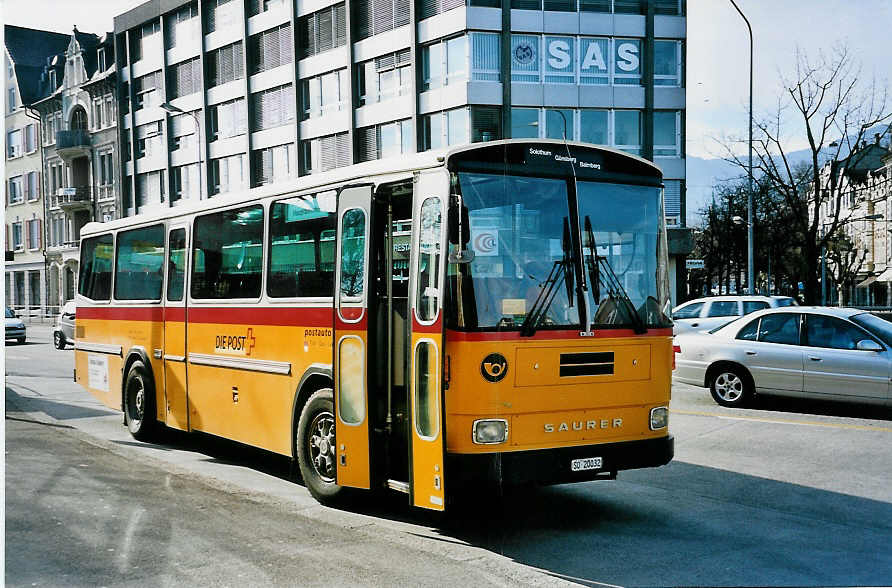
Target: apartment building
(221, 95)
(77, 107)
(26, 54)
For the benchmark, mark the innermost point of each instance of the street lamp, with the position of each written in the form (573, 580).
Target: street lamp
(749, 202)
(171, 109)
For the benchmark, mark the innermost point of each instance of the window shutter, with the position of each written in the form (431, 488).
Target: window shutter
(485, 123)
(255, 7)
(325, 31)
(362, 15)
(367, 144)
(450, 4)
(286, 43)
(39, 233)
(401, 13)
(383, 15)
(673, 197)
(28, 235)
(340, 25)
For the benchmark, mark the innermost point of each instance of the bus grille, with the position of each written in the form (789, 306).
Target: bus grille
(587, 364)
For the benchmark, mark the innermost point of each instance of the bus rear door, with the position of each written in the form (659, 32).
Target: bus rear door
(426, 401)
(351, 337)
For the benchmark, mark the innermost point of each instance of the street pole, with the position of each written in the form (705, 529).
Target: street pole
(750, 277)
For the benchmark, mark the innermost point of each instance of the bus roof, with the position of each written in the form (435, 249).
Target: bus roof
(358, 173)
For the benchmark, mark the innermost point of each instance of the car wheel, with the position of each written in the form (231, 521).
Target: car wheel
(59, 340)
(139, 402)
(731, 386)
(315, 445)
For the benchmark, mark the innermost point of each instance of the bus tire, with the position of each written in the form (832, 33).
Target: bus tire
(139, 402)
(315, 448)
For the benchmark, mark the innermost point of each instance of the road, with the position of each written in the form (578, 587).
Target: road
(785, 494)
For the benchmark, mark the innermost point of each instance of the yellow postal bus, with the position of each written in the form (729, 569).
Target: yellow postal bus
(494, 314)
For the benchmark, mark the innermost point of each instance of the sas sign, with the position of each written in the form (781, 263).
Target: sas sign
(562, 54)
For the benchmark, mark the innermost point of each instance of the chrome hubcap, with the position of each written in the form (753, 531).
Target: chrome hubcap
(138, 394)
(729, 387)
(322, 445)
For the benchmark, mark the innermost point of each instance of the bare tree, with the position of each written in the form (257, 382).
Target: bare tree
(844, 261)
(828, 104)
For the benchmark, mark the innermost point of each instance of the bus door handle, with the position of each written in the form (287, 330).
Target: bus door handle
(157, 353)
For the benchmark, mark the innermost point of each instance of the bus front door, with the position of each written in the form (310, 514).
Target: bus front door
(174, 353)
(426, 423)
(351, 337)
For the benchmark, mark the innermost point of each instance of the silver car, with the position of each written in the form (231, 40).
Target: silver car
(63, 332)
(703, 314)
(812, 352)
(15, 327)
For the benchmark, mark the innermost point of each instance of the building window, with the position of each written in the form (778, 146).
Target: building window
(667, 138)
(16, 190)
(524, 123)
(227, 174)
(100, 58)
(429, 8)
(322, 31)
(270, 49)
(553, 59)
(32, 186)
(224, 65)
(184, 78)
(147, 90)
(385, 140)
(14, 143)
(486, 123)
(593, 126)
(667, 63)
(149, 140)
(106, 175)
(441, 129)
(18, 243)
(10, 100)
(182, 26)
(97, 113)
(52, 79)
(627, 62)
(373, 17)
(145, 40)
(525, 58)
(272, 164)
(221, 14)
(30, 138)
(256, 7)
(324, 153)
(444, 63)
(324, 94)
(228, 119)
(485, 57)
(384, 78)
(272, 108)
(184, 182)
(149, 189)
(559, 123)
(627, 131)
(57, 172)
(560, 63)
(34, 240)
(181, 130)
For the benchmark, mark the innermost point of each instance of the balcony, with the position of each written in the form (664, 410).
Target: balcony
(73, 143)
(71, 199)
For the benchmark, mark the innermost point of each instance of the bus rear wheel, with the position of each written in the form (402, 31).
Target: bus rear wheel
(139, 402)
(315, 448)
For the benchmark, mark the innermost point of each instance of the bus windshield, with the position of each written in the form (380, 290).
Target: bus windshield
(516, 234)
(627, 234)
(521, 263)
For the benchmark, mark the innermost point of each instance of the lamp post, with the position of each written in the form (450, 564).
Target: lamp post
(171, 109)
(749, 203)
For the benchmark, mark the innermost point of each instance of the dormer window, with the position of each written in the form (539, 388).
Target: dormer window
(100, 54)
(52, 74)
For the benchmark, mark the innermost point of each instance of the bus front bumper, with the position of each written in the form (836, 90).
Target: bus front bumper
(553, 466)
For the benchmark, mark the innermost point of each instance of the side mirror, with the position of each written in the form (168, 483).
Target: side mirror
(868, 345)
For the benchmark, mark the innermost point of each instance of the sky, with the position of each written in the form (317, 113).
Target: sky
(717, 49)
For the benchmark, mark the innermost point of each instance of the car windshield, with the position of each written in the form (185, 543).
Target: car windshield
(10, 313)
(879, 327)
(517, 236)
(785, 302)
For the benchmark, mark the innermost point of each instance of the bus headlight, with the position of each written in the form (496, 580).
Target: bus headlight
(490, 431)
(659, 418)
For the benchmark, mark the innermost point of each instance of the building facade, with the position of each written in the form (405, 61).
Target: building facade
(222, 95)
(77, 107)
(26, 54)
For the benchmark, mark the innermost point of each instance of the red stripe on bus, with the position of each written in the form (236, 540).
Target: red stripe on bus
(121, 313)
(543, 335)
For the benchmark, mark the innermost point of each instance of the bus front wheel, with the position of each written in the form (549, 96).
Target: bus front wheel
(315, 444)
(139, 402)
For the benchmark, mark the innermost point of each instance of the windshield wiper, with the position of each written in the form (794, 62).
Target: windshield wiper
(551, 286)
(614, 286)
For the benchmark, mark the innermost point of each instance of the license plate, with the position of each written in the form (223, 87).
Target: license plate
(586, 463)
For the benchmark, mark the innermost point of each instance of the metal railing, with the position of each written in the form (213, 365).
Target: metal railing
(72, 138)
(36, 314)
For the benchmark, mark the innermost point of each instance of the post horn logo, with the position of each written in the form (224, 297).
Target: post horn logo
(494, 367)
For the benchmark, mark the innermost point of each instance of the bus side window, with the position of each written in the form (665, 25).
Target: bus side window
(301, 242)
(227, 253)
(427, 300)
(139, 264)
(176, 264)
(97, 254)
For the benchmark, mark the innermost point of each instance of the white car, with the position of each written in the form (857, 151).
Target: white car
(813, 352)
(63, 332)
(15, 327)
(703, 314)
